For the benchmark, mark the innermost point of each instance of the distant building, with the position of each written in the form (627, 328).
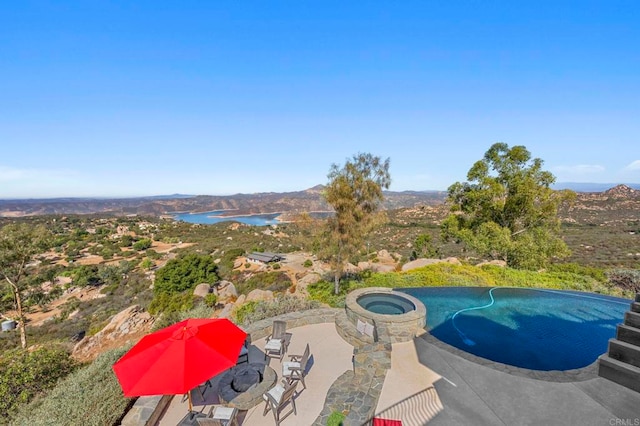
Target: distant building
(264, 258)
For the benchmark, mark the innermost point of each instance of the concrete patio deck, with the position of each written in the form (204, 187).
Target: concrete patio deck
(330, 357)
(444, 387)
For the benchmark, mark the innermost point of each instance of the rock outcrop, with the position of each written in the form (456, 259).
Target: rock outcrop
(226, 292)
(130, 324)
(419, 263)
(202, 290)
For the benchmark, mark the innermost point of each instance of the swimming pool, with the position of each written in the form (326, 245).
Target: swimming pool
(528, 328)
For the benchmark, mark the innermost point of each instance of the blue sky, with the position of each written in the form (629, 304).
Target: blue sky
(121, 98)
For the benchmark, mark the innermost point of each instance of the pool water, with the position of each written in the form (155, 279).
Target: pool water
(385, 303)
(527, 328)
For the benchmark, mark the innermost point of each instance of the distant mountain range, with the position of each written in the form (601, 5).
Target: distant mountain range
(240, 204)
(591, 187)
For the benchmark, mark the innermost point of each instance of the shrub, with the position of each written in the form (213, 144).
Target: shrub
(167, 303)
(274, 281)
(335, 419)
(626, 279)
(596, 273)
(307, 263)
(142, 244)
(185, 273)
(258, 310)
(89, 396)
(165, 320)
(211, 300)
(446, 274)
(26, 374)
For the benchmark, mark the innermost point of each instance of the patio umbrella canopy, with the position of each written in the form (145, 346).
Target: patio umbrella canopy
(180, 357)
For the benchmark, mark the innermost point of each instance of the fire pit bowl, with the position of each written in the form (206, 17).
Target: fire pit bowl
(242, 386)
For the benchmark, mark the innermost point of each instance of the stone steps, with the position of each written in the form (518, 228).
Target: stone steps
(620, 372)
(628, 334)
(621, 364)
(624, 352)
(632, 319)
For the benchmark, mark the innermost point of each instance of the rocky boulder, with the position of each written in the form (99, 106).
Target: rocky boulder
(495, 262)
(226, 292)
(130, 324)
(378, 267)
(258, 295)
(303, 282)
(385, 257)
(419, 263)
(202, 290)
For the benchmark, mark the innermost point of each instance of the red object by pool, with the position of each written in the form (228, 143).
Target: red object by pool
(180, 357)
(386, 422)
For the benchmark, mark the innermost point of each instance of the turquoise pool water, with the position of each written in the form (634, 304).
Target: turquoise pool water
(528, 328)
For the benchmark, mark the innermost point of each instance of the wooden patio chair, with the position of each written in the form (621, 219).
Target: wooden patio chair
(296, 368)
(277, 341)
(277, 399)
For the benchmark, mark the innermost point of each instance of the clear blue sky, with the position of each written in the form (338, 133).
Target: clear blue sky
(128, 98)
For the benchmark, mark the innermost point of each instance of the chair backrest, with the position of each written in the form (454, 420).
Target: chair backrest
(279, 329)
(206, 421)
(304, 359)
(287, 395)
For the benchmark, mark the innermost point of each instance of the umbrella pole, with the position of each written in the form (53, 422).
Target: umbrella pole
(190, 406)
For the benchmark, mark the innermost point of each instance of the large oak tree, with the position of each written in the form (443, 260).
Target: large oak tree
(507, 209)
(355, 193)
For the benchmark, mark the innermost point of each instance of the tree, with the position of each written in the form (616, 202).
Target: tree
(19, 244)
(355, 193)
(185, 273)
(507, 210)
(423, 247)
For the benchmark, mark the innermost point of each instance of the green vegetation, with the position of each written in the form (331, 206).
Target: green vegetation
(19, 244)
(335, 419)
(172, 302)
(423, 247)
(446, 274)
(255, 311)
(26, 374)
(184, 273)
(167, 319)
(142, 244)
(90, 396)
(355, 193)
(275, 281)
(508, 211)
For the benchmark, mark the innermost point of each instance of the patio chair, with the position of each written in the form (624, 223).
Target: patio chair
(277, 341)
(220, 415)
(277, 398)
(206, 421)
(295, 369)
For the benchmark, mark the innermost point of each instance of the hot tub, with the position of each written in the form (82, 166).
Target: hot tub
(399, 316)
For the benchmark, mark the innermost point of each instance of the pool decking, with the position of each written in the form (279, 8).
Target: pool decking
(429, 383)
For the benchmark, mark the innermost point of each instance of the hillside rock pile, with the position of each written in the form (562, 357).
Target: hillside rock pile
(130, 324)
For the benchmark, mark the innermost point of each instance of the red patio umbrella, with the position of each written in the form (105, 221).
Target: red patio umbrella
(180, 357)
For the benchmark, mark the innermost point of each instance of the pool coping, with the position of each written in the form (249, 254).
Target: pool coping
(558, 376)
